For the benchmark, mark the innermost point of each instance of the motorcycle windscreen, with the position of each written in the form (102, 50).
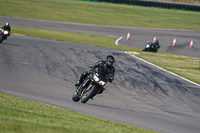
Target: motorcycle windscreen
(147, 46)
(103, 72)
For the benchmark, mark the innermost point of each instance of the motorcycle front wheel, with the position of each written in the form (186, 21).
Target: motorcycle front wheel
(75, 96)
(88, 94)
(1, 38)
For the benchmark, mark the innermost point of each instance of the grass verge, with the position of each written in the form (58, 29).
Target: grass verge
(101, 13)
(87, 39)
(22, 116)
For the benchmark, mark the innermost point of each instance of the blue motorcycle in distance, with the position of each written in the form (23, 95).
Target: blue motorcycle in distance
(152, 47)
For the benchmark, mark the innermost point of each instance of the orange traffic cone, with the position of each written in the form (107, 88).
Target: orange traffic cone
(174, 42)
(154, 39)
(128, 36)
(191, 43)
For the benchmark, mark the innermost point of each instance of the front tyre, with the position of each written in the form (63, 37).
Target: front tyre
(1, 38)
(75, 96)
(155, 50)
(88, 94)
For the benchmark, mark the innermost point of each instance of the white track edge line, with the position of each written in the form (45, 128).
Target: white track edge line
(116, 42)
(162, 69)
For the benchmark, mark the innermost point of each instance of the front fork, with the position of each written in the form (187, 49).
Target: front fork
(83, 85)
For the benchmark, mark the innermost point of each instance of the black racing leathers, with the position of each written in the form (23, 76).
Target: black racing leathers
(101, 66)
(156, 44)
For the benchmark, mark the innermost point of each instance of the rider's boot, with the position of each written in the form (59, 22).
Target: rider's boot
(80, 81)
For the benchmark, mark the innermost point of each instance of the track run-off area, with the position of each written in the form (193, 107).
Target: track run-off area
(141, 94)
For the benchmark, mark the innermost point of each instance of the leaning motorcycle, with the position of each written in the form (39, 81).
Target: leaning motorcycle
(93, 84)
(3, 35)
(151, 47)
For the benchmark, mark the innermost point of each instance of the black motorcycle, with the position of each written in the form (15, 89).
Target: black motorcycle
(93, 84)
(152, 47)
(3, 35)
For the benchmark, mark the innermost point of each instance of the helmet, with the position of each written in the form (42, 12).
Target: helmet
(6, 24)
(110, 60)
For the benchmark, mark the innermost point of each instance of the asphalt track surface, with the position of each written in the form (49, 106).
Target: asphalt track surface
(141, 95)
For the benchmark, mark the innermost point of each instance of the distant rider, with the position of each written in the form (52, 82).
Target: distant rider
(7, 27)
(155, 44)
(106, 65)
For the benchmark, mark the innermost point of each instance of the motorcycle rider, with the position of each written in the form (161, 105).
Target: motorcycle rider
(106, 65)
(156, 44)
(152, 46)
(7, 27)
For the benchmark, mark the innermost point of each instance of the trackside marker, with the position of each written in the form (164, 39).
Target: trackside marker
(128, 36)
(133, 53)
(18, 34)
(154, 39)
(174, 42)
(191, 43)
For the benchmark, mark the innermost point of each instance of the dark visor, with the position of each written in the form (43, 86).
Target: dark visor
(110, 62)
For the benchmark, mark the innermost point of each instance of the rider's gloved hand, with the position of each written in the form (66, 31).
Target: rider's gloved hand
(110, 79)
(91, 68)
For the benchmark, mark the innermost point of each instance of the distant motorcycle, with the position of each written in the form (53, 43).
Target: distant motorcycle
(3, 35)
(152, 47)
(92, 85)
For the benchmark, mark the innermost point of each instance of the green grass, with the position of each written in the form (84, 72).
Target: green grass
(87, 39)
(101, 13)
(21, 116)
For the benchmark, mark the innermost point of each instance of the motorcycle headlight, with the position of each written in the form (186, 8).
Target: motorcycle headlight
(102, 83)
(95, 78)
(5, 32)
(147, 46)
